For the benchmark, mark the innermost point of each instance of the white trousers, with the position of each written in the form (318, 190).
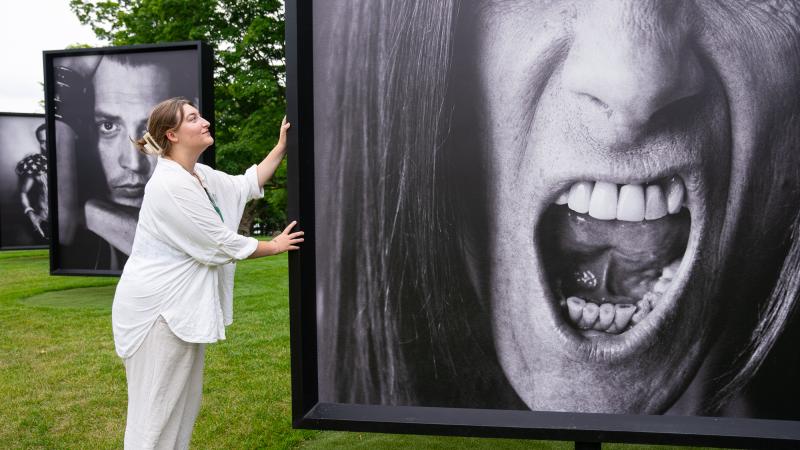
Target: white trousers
(165, 385)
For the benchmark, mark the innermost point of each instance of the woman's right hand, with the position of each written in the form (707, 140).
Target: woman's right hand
(287, 240)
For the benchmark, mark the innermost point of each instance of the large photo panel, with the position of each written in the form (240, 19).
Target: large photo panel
(555, 207)
(23, 182)
(97, 101)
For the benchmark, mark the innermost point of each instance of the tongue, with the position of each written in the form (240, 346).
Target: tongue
(610, 261)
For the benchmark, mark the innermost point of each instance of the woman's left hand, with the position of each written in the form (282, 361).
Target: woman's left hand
(267, 167)
(282, 138)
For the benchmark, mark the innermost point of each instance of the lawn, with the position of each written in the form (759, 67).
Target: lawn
(63, 387)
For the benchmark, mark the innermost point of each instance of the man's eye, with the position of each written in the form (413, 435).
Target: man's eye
(107, 127)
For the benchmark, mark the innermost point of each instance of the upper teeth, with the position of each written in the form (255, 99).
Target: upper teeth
(629, 202)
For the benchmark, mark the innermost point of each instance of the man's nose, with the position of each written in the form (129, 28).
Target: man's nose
(629, 60)
(133, 160)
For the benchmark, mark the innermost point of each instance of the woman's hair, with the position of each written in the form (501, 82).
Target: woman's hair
(406, 324)
(165, 116)
(406, 312)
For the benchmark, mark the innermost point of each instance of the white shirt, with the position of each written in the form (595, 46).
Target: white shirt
(182, 262)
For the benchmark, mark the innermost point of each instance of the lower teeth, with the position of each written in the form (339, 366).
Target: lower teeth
(618, 318)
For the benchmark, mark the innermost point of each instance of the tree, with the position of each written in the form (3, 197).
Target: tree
(249, 103)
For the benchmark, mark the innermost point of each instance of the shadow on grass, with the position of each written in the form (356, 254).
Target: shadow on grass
(98, 297)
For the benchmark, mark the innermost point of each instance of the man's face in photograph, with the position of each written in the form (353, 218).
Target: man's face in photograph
(42, 139)
(124, 96)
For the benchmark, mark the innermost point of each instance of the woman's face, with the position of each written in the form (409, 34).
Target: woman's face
(194, 131)
(633, 145)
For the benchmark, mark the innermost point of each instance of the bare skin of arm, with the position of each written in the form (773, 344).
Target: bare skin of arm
(114, 223)
(280, 243)
(25, 186)
(266, 168)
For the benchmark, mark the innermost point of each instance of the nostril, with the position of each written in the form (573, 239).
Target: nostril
(677, 107)
(625, 74)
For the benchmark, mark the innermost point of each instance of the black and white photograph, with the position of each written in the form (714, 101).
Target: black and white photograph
(98, 101)
(558, 206)
(23, 181)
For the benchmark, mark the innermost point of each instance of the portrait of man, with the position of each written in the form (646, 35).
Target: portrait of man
(32, 173)
(580, 206)
(104, 101)
(23, 166)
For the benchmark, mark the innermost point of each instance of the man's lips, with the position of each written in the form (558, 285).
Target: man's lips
(129, 189)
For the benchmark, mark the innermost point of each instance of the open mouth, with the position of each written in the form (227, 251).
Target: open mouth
(611, 251)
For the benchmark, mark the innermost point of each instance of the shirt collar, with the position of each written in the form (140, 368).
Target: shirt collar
(174, 166)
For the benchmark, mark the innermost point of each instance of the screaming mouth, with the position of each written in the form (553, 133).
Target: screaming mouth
(611, 251)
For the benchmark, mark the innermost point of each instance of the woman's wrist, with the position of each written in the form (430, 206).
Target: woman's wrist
(264, 248)
(279, 151)
(273, 248)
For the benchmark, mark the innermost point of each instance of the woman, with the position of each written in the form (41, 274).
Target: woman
(175, 293)
(456, 125)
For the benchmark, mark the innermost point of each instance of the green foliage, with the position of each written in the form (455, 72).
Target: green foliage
(247, 38)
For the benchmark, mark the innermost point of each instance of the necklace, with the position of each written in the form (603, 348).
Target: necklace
(210, 198)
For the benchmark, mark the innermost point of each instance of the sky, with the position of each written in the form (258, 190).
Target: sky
(27, 28)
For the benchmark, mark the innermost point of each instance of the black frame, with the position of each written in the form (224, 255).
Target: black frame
(205, 105)
(23, 247)
(308, 412)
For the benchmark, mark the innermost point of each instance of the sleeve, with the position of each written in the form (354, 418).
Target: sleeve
(249, 182)
(24, 167)
(186, 219)
(21, 167)
(245, 185)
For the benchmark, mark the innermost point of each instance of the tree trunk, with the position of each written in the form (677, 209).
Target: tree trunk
(247, 218)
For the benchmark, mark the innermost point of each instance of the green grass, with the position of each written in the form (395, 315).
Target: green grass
(89, 297)
(63, 387)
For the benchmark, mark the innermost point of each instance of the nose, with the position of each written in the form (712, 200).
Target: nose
(629, 60)
(132, 159)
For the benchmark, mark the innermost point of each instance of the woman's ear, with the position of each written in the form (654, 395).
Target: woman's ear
(171, 136)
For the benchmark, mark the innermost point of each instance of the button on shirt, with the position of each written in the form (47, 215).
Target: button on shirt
(182, 263)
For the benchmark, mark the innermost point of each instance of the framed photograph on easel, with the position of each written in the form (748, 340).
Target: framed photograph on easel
(24, 209)
(96, 101)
